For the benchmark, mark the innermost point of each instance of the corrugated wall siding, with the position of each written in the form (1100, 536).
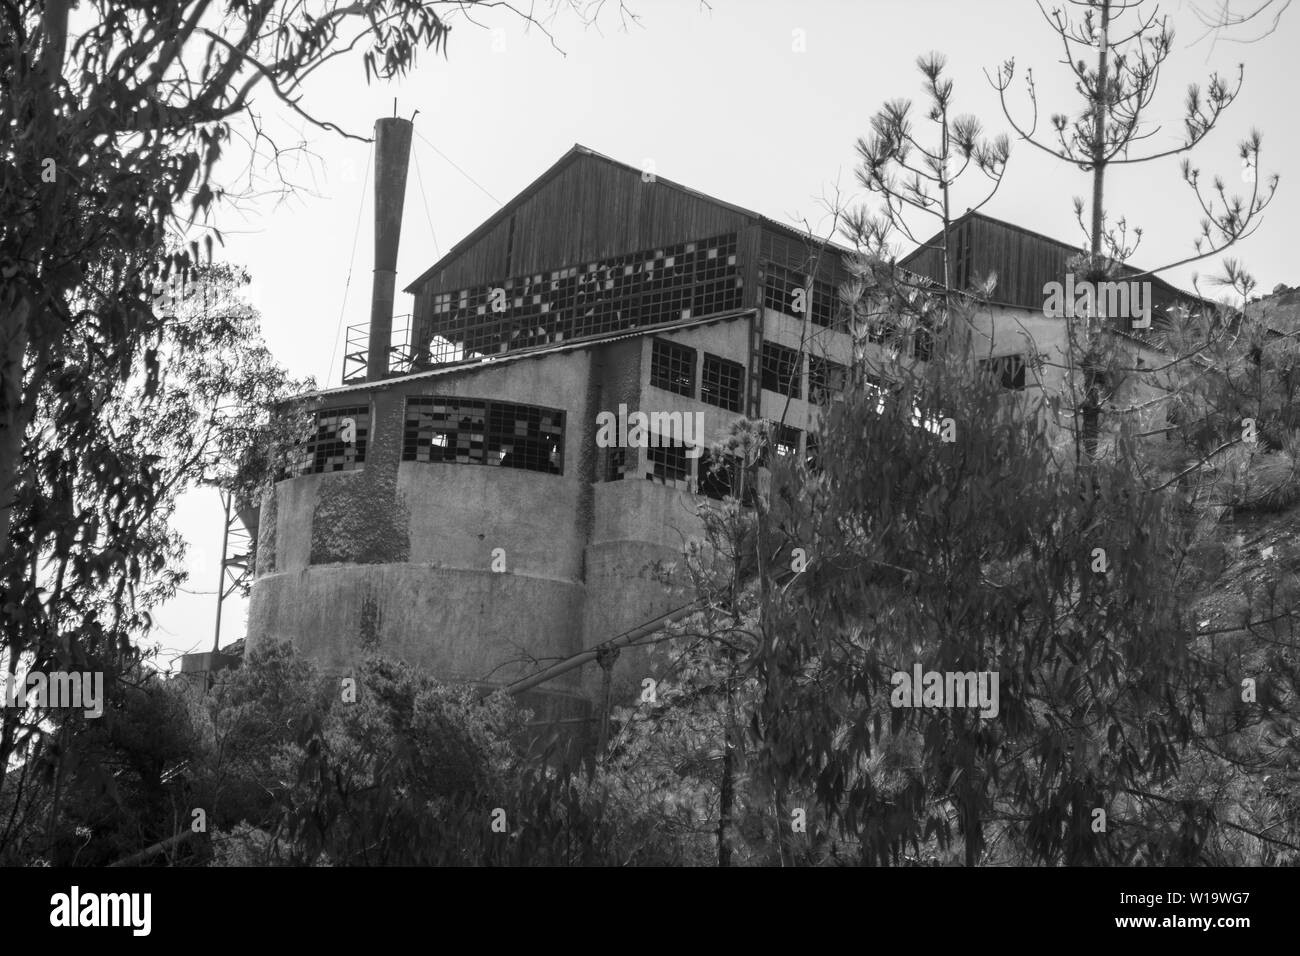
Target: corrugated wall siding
(1023, 261)
(591, 210)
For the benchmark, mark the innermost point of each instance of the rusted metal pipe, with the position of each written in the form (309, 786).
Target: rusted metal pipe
(586, 657)
(392, 160)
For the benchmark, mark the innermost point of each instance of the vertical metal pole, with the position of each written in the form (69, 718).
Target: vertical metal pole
(605, 658)
(221, 570)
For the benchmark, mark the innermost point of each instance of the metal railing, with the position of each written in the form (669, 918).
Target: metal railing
(356, 356)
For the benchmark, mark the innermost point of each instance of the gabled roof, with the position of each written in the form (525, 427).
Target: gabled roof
(1021, 268)
(1066, 247)
(580, 153)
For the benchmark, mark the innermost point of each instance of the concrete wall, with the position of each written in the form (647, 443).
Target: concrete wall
(398, 556)
(464, 625)
(1006, 331)
(729, 340)
(640, 526)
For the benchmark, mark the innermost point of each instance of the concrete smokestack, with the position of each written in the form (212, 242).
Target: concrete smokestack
(392, 159)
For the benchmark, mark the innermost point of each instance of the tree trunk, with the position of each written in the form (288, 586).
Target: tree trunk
(1092, 395)
(13, 416)
(726, 792)
(1099, 131)
(15, 326)
(9, 718)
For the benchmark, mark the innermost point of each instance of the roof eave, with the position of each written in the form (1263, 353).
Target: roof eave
(540, 351)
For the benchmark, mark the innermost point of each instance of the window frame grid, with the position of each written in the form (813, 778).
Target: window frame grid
(651, 287)
(324, 448)
(823, 376)
(664, 449)
(725, 387)
(483, 432)
(794, 380)
(673, 367)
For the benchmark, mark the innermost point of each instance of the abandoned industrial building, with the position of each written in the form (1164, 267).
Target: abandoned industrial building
(453, 506)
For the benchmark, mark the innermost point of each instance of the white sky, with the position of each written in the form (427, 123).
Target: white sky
(721, 102)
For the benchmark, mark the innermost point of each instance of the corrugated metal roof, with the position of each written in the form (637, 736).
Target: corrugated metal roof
(577, 152)
(540, 351)
(1124, 268)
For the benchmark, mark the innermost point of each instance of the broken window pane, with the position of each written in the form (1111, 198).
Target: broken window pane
(717, 476)
(672, 367)
(476, 432)
(669, 464)
(781, 369)
(328, 449)
(1009, 370)
(617, 464)
(724, 383)
(667, 284)
(826, 379)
